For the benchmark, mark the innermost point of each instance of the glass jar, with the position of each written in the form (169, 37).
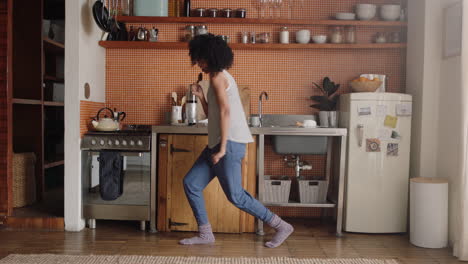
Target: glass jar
(213, 12)
(189, 33)
(380, 38)
(284, 35)
(227, 12)
(396, 37)
(263, 37)
(245, 37)
(253, 37)
(337, 35)
(350, 34)
(199, 12)
(241, 13)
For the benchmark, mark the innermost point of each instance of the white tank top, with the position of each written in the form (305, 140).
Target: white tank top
(238, 130)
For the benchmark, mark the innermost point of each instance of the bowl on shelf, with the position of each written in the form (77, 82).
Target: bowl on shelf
(363, 84)
(320, 39)
(366, 11)
(390, 12)
(345, 16)
(303, 36)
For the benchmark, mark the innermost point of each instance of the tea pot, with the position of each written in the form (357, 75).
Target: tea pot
(106, 123)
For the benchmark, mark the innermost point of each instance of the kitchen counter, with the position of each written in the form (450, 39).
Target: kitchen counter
(340, 134)
(203, 129)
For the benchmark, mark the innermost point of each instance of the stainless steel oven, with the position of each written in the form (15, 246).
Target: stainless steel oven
(133, 143)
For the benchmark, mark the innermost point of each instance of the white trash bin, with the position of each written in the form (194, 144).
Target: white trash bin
(429, 212)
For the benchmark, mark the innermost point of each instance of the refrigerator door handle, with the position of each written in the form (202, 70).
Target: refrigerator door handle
(360, 128)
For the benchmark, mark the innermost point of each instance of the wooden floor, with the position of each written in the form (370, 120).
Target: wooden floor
(311, 240)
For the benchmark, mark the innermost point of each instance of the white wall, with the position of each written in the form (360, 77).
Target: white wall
(450, 130)
(84, 62)
(435, 83)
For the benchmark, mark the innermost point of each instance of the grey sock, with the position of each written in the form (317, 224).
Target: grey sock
(205, 236)
(283, 230)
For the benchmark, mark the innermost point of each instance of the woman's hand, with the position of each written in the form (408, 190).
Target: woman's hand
(197, 90)
(215, 158)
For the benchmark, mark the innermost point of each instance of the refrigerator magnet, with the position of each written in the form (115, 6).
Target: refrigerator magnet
(395, 135)
(372, 145)
(404, 110)
(391, 121)
(364, 111)
(381, 110)
(392, 149)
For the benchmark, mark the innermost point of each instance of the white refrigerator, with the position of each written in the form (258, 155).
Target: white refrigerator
(378, 156)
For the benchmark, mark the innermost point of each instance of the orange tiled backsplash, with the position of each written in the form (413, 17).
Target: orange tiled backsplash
(139, 81)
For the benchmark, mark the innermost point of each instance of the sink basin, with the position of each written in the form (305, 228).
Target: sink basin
(294, 145)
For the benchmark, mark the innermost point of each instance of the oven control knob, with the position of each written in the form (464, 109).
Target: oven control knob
(117, 143)
(109, 142)
(132, 143)
(140, 143)
(93, 142)
(101, 142)
(124, 142)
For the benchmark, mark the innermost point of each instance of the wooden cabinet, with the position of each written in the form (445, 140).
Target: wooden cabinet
(177, 154)
(35, 120)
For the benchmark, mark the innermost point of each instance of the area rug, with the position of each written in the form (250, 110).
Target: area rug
(103, 259)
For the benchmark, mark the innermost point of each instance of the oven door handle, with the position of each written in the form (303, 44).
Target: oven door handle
(178, 150)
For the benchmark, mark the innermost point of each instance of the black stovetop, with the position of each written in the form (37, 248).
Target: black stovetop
(126, 130)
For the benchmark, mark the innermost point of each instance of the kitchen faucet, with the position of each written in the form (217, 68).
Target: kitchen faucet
(260, 106)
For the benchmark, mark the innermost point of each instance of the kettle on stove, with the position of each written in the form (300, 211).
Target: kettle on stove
(108, 123)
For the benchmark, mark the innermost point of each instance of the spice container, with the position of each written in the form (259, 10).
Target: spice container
(263, 37)
(253, 38)
(380, 38)
(213, 12)
(201, 30)
(227, 12)
(199, 12)
(350, 34)
(337, 36)
(245, 37)
(225, 38)
(189, 33)
(241, 13)
(284, 35)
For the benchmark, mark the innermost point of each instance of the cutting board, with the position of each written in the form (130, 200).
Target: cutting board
(244, 93)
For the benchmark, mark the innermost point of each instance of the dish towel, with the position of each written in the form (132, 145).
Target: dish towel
(110, 175)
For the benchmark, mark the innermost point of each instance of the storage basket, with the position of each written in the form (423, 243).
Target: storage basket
(24, 179)
(277, 191)
(313, 191)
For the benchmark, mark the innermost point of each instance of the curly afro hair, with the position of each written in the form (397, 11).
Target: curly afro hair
(213, 50)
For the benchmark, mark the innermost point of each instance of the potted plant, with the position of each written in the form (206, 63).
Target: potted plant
(326, 103)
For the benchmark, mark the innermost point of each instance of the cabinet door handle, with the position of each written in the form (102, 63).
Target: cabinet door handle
(176, 223)
(178, 150)
(360, 128)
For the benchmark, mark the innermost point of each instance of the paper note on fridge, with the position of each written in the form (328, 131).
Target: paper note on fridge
(364, 111)
(404, 109)
(384, 134)
(381, 110)
(390, 121)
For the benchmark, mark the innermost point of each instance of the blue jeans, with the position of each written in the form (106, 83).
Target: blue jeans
(229, 172)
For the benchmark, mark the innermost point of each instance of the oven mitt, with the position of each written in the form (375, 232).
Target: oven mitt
(110, 175)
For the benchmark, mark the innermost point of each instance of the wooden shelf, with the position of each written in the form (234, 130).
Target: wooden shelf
(52, 164)
(184, 45)
(27, 101)
(219, 20)
(53, 46)
(51, 103)
(54, 79)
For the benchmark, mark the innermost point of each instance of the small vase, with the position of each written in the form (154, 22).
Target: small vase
(332, 119)
(324, 118)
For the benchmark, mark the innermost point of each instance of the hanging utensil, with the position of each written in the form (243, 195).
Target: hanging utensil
(174, 97)
(183, 100)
